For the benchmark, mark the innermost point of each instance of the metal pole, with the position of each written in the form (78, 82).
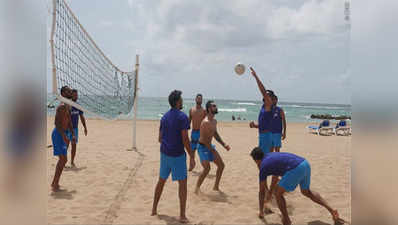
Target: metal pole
(137, 64)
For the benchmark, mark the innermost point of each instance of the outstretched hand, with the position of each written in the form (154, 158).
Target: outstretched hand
(227, 147)
(253, 72)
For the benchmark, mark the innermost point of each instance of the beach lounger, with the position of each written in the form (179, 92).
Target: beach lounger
(324, 128)
(342, 128)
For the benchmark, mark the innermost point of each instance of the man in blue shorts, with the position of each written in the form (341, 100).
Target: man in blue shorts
(278, 122)
(196, 115)
(206, 151)
(75, 114)
(173, 136)
(61, 135)
(294, 170)
(264, 117)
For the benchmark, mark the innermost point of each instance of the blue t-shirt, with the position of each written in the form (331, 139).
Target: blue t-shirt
(276, 123)
(278, 163)
(75, 113)
(171, 125)
(264, 120)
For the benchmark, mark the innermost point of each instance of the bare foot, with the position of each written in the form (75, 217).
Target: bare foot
(72, 165)
(55, 187)
(286, 221)
(216, 189)
(197, 190)
(337, 219)
(184, 219)
(154, 213)
(267, 209)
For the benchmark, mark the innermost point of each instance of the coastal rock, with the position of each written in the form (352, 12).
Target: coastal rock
(329, 117)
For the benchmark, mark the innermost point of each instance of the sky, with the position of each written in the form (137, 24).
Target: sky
(300, 49)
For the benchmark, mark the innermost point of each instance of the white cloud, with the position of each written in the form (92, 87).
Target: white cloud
(313, 17)
(106, 24)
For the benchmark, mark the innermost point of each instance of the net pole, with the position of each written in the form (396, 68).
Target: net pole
(54, 71)
(137, 64)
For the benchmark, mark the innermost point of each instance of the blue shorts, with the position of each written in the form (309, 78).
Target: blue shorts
(195, 139)
(177, 166)
(276, 140)
(59, 144)
(69, 134)
(205, 153)
(299, 175)
(265, 141)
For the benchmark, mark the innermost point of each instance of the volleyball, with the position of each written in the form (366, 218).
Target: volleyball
(239, 68)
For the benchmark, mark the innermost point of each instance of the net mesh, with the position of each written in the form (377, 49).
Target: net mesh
(103, 89)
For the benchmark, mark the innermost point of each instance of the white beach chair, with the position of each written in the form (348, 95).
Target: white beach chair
(342, 128)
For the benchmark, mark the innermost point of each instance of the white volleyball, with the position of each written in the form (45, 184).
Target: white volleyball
(240, 68)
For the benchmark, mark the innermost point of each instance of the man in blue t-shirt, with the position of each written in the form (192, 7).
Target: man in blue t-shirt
(75, 114)
(278, 125)
(294, 170)
(264, 117)
(173, 136)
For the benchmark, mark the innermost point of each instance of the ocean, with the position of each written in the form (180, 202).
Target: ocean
(151, 108)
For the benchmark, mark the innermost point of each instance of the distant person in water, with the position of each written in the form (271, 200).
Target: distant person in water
(196, 116)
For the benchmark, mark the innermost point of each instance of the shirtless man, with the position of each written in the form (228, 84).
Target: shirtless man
(60, 142)
(207, 152)
(196, 115)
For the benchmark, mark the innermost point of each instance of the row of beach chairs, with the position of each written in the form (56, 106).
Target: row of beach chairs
(325, 128)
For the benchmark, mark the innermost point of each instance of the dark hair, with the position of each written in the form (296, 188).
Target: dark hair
(271, 93)
(257, 153)
(208, 105)
(74, 91)
(174, 97)
(199, 95)
(64, 88)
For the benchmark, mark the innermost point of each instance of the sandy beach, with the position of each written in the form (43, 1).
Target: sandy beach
(114, 186)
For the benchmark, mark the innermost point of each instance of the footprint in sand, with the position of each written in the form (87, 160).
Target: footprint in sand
(242, 221)
(140, 210)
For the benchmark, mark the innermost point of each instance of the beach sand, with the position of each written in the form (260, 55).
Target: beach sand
(114, 186)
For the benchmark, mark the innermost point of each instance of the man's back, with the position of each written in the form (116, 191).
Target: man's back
(278, 163)
(171, 125)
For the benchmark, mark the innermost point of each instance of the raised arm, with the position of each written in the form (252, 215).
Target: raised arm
(267, 99)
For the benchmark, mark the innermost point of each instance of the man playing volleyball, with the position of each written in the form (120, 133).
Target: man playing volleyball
(207, 152)
(294, 170)
(173, 136)
(196, 115)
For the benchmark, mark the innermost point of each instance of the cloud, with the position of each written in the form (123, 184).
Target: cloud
(106, 24)
(193, 45)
